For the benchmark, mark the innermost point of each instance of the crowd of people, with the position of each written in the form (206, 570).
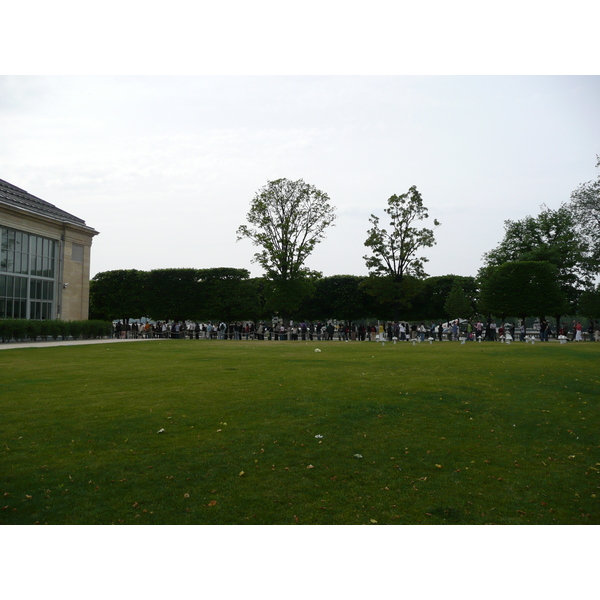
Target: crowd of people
(399, 331)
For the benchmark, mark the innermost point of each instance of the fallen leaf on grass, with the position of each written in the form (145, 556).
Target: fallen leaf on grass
(373, 521)
(241, 473)
(212, 503)
(186, 495)
(310, 467)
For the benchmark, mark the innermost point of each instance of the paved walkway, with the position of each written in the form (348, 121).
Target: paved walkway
(13, 345)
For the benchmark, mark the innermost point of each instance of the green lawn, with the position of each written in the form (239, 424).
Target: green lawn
(448, 433)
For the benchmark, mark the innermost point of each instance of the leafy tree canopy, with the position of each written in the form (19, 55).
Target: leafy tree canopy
(589, 304)
(553, 237)
(394, 251)
(522, 289)
(458, 305)
(430, 303)
(119, 294)
(288, 219)
(338, 297)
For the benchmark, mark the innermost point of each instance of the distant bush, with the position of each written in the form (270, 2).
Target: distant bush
(26, 329)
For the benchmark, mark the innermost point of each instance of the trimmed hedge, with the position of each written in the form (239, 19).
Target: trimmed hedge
(25, 329)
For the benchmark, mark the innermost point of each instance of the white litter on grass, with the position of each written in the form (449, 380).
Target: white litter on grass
(318, 436)
(358, 456)
(317, 350)
(160, 431)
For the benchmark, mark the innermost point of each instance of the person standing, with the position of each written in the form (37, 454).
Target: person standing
(543, 329)
(455, 331)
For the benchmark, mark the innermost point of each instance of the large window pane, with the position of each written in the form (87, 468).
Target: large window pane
(10, 261)
(25, 264)
(26, 256)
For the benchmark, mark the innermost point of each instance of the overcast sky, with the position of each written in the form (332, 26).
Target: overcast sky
(165, 167)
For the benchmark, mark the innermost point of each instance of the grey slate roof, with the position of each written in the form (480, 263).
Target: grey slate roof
(11, 195)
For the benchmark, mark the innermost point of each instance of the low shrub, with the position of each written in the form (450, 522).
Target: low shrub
(33, 329)
(75, 328)
(21, 329)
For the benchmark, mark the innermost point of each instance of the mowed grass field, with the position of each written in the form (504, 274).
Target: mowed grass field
(276, 433)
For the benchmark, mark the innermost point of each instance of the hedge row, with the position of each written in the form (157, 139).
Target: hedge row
(25, 329)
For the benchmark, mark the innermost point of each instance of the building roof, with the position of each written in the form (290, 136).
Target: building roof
(13, 196)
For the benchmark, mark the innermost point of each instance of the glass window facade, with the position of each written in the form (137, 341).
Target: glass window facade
(28, 270)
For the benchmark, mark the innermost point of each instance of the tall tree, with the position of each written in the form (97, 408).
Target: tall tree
(394, 252)
(288, 219)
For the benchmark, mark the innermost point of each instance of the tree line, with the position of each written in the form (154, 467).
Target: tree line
(227, 294)
(545, 265)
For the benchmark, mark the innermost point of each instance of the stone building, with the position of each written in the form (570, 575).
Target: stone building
(44, 259)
